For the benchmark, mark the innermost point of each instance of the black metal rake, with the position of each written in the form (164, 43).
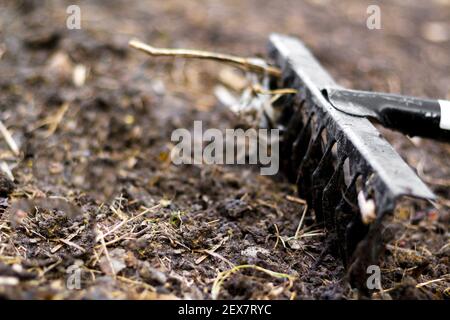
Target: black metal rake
(335, 157)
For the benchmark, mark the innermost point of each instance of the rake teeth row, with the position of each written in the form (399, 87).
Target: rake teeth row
(332, 156)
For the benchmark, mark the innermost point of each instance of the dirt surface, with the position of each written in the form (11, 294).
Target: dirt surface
(94, 186)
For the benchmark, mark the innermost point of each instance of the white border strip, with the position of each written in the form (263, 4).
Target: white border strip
(445, 114)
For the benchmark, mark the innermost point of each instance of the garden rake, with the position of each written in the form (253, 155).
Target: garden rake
(348, 173)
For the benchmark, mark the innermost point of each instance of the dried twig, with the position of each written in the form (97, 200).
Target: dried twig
(67, 240)
(259, 90)
(6, 170)
(212, 250)
(249, 64)
(300, 224)
(219, 256)
(279, 237)
(137, 283)
(53, 121)
(295, 199)
(105, 250)
(9, 139)
(445, 277)
(222, 276)
(72, 244)
(305, 209)
(419, 285)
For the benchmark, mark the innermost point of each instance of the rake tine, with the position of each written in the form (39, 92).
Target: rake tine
(332, 194)
(300, 146)
(346, 211)
(293, 128)
(309, 163)
(320, 177)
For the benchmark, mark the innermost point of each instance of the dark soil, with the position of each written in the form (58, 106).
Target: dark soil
(94, 156)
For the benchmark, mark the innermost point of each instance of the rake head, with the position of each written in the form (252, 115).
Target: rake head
(337, 160)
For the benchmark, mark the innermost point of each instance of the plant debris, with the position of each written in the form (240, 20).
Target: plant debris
(249, 64)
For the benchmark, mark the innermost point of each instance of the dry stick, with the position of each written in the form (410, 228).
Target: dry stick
(300, 224)
(72, 244)
(51, 267)
(9, 139)
(216, 255)
(105, 250)
(279, 237)
(6, 170)
(137, 283)
(260, 90)
(213, 249)
(305, 209)
(54, 120)
(249, 64)
(69, 238)
(420, 285)
(222, 276)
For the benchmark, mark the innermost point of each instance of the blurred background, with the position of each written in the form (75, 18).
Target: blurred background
(93, 119)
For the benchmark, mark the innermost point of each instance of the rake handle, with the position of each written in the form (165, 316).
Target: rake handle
(421, 117)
